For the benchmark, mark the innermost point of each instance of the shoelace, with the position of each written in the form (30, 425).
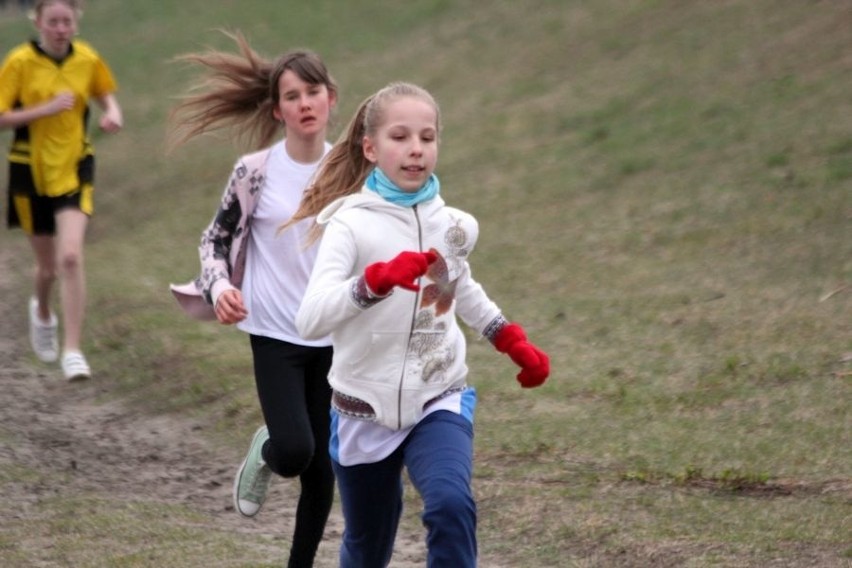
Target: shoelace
(45, 336)
(260, 481)
(75, 363)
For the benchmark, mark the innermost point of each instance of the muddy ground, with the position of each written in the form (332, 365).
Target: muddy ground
(80, 445)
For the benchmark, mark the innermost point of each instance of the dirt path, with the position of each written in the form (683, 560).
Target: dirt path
(63, 432)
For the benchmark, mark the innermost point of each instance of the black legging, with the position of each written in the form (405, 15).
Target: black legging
(295, 398)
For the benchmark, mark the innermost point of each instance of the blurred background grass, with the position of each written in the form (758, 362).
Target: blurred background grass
(663, 189)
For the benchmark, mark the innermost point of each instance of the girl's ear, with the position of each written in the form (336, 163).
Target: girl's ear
(276, 114)
(369, 150)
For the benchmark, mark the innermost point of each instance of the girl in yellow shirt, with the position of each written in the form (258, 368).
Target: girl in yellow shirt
(45, 88)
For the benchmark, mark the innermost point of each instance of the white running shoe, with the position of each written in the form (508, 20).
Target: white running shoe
(43, 335)
(74, 366)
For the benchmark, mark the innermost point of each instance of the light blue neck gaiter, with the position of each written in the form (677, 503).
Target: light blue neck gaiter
(381, 184)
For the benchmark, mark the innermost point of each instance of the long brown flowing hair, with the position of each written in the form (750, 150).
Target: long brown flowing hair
(239, 92)
(345, 168)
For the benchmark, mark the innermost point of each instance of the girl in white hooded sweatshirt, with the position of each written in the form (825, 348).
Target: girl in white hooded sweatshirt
(390, 279)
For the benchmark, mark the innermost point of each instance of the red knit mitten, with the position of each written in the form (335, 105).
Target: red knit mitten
(402, 271)
(534, 363)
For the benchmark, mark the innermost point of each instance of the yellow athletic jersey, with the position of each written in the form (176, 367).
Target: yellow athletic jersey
(53, 145)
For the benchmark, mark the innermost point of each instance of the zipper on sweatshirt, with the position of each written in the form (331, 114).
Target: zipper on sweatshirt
(411, 325)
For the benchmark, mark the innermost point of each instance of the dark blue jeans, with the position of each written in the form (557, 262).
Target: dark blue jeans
(438, 454)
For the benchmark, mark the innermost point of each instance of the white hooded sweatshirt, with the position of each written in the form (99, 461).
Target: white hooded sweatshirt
(399, 352)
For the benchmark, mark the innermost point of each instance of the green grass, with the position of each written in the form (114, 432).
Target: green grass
(663, 190)
(94, 531)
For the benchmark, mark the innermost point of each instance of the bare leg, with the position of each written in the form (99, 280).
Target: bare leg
(70, 235)
(45, 272)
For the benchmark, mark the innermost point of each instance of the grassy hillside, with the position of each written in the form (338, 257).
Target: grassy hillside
(664, 190)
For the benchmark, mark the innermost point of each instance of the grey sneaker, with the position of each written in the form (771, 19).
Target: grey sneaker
(252, 480)
(75, 367)
(43, 334)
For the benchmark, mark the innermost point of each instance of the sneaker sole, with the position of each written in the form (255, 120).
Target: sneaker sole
(236, 491)
(80, 377)
(48, 359)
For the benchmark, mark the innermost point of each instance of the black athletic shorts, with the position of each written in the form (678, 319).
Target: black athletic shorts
(36, 214)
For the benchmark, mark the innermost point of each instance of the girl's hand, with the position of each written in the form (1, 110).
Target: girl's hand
(230, 308)
(534, 363)
(111, 121)
(61, 102)
(402, 271)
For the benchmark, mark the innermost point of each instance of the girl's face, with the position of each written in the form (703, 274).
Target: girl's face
(304, 108)
(405, 145)
(56, 23)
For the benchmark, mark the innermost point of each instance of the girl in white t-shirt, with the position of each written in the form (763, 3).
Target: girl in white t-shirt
(255, 278)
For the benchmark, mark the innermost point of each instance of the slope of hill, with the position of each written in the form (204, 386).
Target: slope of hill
(663, 189)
